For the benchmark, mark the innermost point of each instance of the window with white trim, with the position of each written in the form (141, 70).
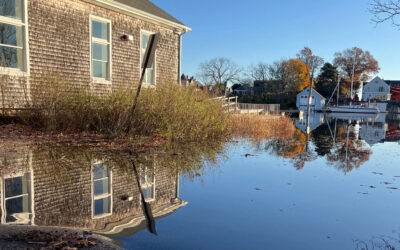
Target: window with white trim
(147, 183)
(13, 48)
(150, 75)
(17, 200)
(101, 48)
(102, 193)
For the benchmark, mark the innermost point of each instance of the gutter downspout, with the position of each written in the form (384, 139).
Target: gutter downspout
(180, 59)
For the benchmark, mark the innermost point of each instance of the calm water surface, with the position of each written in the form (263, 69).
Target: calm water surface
(337, 187)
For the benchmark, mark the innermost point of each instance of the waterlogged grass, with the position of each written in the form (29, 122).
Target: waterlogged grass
(262, 127)
(169, 111)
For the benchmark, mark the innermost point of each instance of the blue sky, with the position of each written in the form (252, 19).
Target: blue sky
(264, 30)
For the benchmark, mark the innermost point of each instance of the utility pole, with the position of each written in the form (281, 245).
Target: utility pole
(352, 80)
(309, 100)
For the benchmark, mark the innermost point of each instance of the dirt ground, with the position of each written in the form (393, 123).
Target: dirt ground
(28, 237)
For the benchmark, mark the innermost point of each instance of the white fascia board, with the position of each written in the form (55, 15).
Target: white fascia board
(124, 9)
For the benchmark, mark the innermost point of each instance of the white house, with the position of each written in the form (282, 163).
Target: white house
(317, 101)
(316, 120)
(373, 130)
(377, 89)
(242, 90)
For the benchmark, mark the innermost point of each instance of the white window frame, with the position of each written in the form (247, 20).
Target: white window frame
(4, 199)
(23, 23)
(103, 42)
(145, 170)
(146, 84)
(99, 197)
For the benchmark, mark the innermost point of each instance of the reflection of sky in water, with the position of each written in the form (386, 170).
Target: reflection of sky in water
(295, 194)
(262, 202)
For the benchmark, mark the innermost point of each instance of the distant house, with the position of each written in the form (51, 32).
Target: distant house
(242, 90)
(315, 120)
(373, 130)
(96, 44)
(377, 89)
(260, 87)
(190, 81)
(317, 101)
(394, 90)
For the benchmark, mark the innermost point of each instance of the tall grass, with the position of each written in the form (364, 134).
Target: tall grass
(262, 127)
(170, 111)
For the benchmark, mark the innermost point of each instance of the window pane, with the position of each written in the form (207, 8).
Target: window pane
(149, 76)
(11, 8)
(148, 192)
(100, 52)
(16, 186)
(100, 30)
(11, 35)
(100, 70)
(100, 171)
(102, 206)
(11, 57)
(16, 207)
(102, 187)
(145, 40)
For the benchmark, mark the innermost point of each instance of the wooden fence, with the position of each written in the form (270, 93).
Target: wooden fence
(232, 106)
(229, 103)
(272, 109)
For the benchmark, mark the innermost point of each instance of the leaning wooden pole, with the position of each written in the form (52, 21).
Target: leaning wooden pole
(147, 211)
(148, 60)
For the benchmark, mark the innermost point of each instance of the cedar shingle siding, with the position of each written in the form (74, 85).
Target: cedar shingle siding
(62, 192)
(59, 43)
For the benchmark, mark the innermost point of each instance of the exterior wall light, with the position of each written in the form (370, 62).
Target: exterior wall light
(127, 38)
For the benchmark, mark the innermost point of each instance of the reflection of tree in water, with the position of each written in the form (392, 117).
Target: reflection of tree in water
(336, 141)
(379, 242)
(295, 148)
(321, 137)
(291, 148)
(349, 152)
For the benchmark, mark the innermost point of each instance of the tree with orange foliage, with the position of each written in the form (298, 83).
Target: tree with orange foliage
(365, 64)
(295, 76)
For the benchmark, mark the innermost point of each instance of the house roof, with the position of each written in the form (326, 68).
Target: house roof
(314, 91)
(242, 88)
(393, 82)
(149, 7)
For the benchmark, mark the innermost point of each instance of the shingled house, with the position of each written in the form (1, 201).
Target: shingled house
(96, 193)
(97, 44)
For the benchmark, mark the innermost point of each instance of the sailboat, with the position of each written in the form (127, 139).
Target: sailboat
(366, 108)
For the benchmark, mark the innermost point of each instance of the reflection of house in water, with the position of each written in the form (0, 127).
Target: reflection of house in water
(316, 120)
(83, 194)
(373, 130)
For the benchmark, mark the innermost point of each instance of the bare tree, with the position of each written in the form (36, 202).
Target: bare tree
(259, 72)
(275, 70)
(219, 71)
(387, 10)
(312, 61)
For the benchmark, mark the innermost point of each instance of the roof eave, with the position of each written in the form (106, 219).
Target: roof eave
(125, 9)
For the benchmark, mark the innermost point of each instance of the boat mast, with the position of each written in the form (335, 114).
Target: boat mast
(338, 93)
(352, 79)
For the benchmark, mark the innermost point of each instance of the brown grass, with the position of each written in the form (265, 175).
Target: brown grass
(262, 127)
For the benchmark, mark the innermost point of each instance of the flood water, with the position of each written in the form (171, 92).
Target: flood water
(335, 187)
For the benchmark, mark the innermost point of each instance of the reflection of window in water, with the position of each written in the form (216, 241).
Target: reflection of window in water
(12, 34)
(102, 194)
(147, 181)
(17, 200)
